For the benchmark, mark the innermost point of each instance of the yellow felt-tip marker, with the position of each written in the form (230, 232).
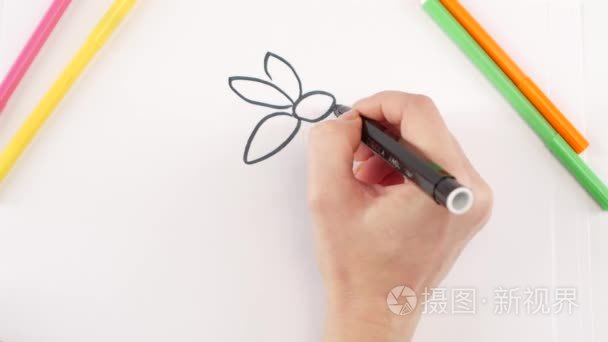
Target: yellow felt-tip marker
(96, 40)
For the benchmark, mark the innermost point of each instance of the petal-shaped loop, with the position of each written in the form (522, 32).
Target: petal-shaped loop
(269, 148)
(282, 73)
(256, 89)
(314, 106)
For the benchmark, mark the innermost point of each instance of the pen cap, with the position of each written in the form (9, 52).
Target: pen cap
(454, 196)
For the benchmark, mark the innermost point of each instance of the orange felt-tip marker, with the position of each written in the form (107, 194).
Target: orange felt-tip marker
(544, 105)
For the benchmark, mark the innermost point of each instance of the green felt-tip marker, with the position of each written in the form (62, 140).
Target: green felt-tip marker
(560, 148)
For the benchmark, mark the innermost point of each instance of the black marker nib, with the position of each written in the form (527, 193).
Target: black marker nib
(340, 110)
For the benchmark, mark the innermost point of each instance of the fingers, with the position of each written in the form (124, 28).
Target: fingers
(373, 171)
(394, 178)
(335, 145)
(331, 156)
(420, 124)
(363, 153)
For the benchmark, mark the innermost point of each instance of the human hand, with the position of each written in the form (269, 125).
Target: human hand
(375, 231)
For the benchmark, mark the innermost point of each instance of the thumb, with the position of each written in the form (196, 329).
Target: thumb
(332, 147)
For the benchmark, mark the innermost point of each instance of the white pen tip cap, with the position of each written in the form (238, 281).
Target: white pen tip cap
(460, 201)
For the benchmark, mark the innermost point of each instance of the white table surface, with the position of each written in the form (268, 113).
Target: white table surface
(131, 217)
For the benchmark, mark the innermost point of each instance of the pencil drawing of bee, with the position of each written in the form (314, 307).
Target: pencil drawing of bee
(289, 108)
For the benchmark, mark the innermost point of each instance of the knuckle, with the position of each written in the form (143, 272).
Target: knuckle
(484, 202)
(424, 102)
(487, 197)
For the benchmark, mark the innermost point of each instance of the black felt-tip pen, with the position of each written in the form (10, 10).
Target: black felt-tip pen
(433, 180)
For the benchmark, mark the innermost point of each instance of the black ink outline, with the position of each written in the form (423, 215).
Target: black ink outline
(267, 59)
(231, 81)
(276, 150)
(293, 106)
(310, 94)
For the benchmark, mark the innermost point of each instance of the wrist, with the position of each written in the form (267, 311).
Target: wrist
(370, 318)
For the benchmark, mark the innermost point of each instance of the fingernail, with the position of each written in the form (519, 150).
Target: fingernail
(351, 115)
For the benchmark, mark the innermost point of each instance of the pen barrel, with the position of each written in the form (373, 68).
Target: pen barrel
(62, 85)
(433, 180)
(580, 170)
(441, 186)
(110, 22)
(553, 115)
(31, 50)
(528, 112)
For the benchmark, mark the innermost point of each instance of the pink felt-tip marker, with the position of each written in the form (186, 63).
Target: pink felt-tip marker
(31, 50)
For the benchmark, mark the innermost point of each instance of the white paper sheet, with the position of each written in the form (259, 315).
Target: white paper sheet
(132, 217)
